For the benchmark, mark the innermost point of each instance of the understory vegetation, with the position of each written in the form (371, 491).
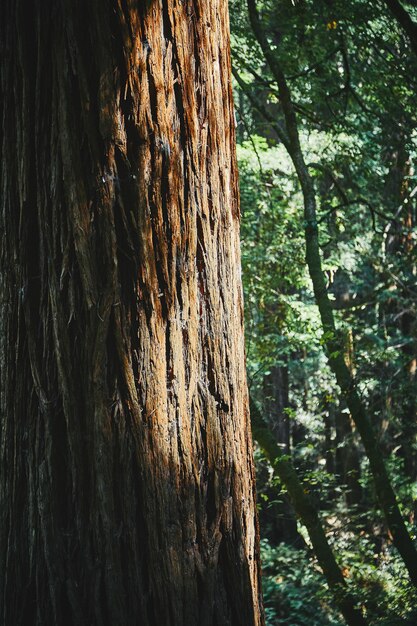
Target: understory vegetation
(327, 145)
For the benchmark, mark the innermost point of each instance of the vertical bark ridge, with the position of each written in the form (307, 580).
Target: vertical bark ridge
(126, 471)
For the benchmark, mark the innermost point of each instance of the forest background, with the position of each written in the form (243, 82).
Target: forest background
(326, 124)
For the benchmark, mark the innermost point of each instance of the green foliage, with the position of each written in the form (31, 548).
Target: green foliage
(352, 78)
(295, 592)
(277, 320)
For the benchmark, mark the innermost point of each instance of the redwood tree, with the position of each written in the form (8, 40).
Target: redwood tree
(126, 474)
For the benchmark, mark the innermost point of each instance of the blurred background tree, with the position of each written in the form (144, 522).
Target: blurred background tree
(350, 69)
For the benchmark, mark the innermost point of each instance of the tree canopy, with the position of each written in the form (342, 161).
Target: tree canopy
(326, 123)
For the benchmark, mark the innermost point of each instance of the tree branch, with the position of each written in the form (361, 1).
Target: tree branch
(333, 341)
(280, 131)
(307, 512)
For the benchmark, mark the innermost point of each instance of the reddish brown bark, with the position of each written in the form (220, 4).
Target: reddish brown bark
(126, 485)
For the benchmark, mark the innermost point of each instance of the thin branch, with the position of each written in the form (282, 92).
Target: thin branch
(328, 171)
(358, 200)
(333, 342)
(314, 66)
(276, 126)
(270, 85)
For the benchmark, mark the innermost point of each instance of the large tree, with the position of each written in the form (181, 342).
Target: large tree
(126, 476)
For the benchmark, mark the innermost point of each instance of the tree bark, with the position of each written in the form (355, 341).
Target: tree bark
(126, 472)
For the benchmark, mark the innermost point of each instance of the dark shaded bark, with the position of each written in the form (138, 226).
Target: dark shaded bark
(333, 339)
(126, 473)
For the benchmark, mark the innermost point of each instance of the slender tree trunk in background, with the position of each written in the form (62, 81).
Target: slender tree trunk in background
(348, 465)
(299, 493)
(126, 476)
(408, 325)
(399, 243)
(275, 390)
(328, 420)
(334, 341)
(342, 456)
(280, 516)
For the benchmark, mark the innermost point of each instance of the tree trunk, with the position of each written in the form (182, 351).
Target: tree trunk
(280, 516)
(299, 493)
(399, 242)
(333, 338)
(126, 476)
(348, 467)
(276, 396)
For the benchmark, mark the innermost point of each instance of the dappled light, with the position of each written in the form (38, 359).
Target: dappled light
(326, 128)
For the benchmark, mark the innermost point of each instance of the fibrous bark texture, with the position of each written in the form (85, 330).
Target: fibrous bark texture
(126, 475)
